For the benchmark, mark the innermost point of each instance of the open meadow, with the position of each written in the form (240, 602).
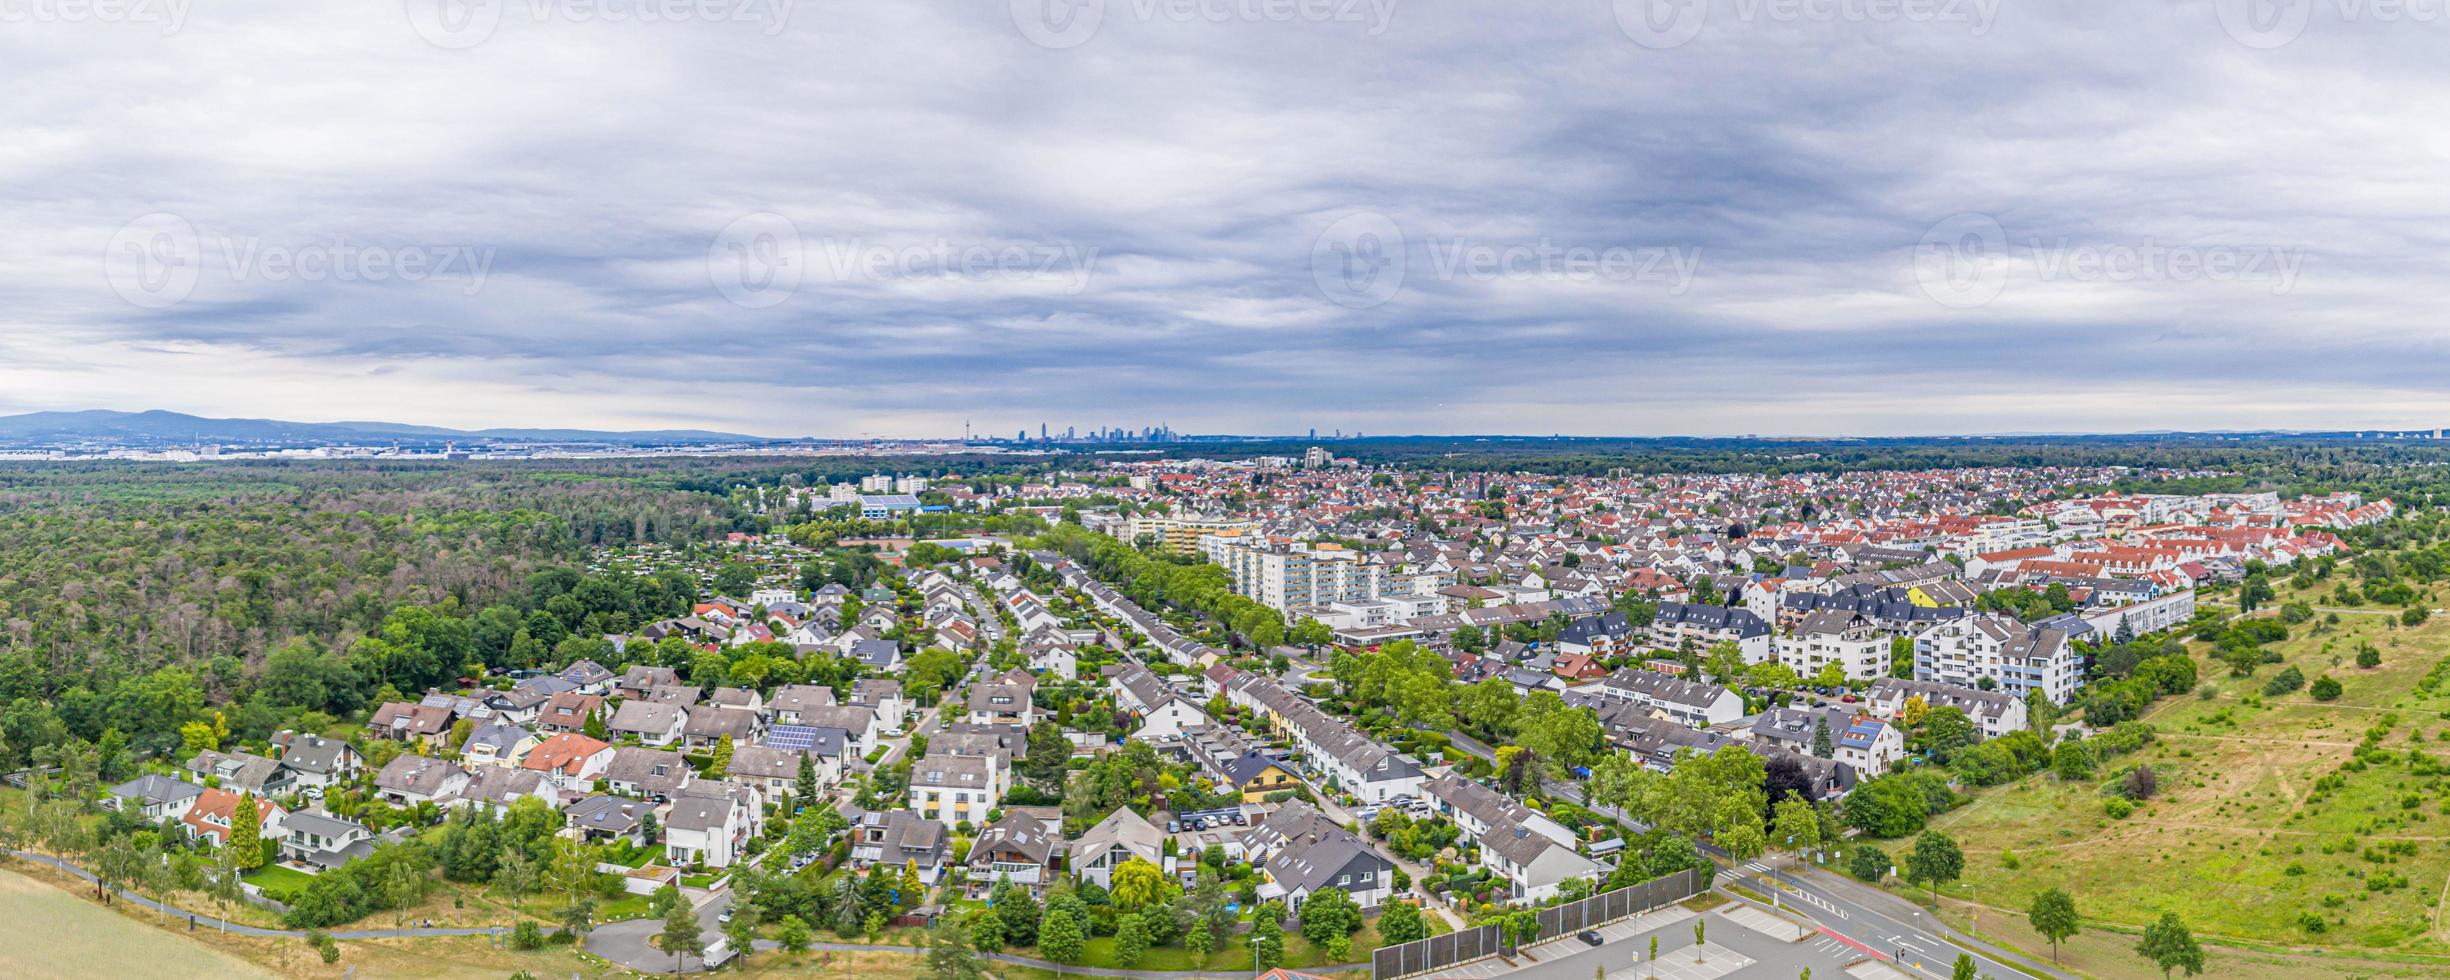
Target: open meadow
(2281, 821)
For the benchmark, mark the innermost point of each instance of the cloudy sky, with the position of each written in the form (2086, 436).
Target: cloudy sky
(790, 217)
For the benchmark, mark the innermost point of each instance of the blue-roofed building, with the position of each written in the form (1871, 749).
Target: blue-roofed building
(885, 505)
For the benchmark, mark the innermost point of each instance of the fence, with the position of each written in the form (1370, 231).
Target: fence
(1631, 900)
(1435, 953)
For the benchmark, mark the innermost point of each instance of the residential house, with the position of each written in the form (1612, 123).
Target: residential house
(495, 788)
(242, 772)
(318, 761)
(791, 701)
(1687, 702)
(607, 818)
(956, 789)
(898, 838)
(653, 724)
(709, 726)
(1025, 846)
(1004, 700)
(412, 779)
(498, 744)
(568, 711)
(1301, 852)
(1994, 713)
(711, 829)
(208, 818)
(1842, 637)
(1122, 836)
(637, 681)
(883, 696)
(652, 773)
(1533, 864)
(323, 840)
(403, 721)
(570, 760)
(155, 798)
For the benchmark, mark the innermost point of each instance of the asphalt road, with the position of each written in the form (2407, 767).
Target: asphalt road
(1880, 924)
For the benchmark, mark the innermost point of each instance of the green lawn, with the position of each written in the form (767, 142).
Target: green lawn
(276, 877)
(2267, 828)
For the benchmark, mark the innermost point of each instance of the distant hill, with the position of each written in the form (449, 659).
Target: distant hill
(163, 428)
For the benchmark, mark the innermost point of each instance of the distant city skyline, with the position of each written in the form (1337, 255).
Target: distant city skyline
(1414, 219)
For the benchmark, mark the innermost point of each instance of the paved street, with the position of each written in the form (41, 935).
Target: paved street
(1731, 949)
(1887, 926)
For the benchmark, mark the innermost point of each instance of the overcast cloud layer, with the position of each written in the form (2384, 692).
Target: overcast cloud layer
(780, 217)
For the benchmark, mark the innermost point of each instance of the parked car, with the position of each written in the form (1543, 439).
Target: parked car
(1589, 936)
(1173, 826)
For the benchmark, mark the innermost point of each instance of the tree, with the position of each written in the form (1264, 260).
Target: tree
(1700, 936)
(2054, 916)
(741, 932)
(794, 935)
(1135, 884)
(2072, 761)
(681, 935)
(1327, 914)
(722, 761)
(1130, 940)
(1965, 968)
(909, 891)
(1060, 937)
(1268, 944)
(2169, 945)
(1822, 745)
(810, 798)
(1869, 863)
(1018, 911)
(1796, 827)
(1199, 940)
(950, 956)
(1400, 922)
(2326, 689)
(247, 832)
(1936, 859)
(517, 875)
